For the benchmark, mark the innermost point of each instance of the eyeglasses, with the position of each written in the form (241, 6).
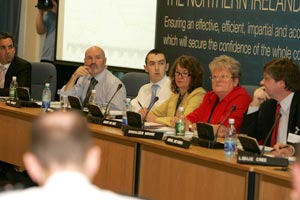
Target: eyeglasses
(183, 75)
(221, 77)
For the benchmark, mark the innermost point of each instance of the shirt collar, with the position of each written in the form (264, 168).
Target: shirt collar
(161, 82)
(286, 102)
(99, 76)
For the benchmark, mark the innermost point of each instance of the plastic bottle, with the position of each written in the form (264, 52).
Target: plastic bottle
(180, 123)
(126, 108)
(92, 99)
(46, 98)
(230, 140)
(13, 88)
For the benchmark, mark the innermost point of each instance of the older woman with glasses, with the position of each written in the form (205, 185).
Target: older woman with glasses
(226, 94)
(186, 77)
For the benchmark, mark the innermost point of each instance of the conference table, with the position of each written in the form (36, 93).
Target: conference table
(152, 169)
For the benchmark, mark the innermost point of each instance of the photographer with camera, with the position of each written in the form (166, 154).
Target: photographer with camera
(46, 21)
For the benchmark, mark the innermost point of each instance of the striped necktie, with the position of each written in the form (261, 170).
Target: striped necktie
(154, 90)
(2, 76)
(89, 91)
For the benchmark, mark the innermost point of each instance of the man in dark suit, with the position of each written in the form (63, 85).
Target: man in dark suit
(279, 91)
(13, 65)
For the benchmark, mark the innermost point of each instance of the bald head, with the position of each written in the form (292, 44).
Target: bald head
(60, 138)
(95, 59)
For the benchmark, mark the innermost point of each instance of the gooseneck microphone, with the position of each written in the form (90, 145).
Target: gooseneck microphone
(260, 159)
(47, 80)
(269, 134)
(108, 104)
(149, 108)
(222, 122)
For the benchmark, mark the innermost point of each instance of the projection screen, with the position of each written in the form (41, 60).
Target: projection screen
(124, 29)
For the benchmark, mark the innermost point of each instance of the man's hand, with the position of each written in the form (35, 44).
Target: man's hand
(283, 150)
(259, 96)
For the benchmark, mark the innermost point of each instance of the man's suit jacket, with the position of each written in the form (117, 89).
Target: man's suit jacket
(259, 124)
(22, 70)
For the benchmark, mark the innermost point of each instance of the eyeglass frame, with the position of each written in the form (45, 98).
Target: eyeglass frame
(221, 77)
(183, 75)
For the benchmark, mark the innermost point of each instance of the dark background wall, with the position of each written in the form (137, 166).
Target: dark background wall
(267, 29)
(254, 32)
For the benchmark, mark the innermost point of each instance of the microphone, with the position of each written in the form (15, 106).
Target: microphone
(269, 134)
(151, 104)
(108, 104)
(47, 80)
(149, 108)
(222, 122)
(260, 159)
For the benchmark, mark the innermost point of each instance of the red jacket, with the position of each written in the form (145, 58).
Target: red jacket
(238, 97)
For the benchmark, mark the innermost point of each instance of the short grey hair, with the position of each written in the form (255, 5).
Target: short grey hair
(226, 62)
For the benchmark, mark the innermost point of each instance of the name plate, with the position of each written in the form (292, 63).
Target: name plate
(178, 142)
(105, 122)
(262, 160)
(140, 133)
(13, 103)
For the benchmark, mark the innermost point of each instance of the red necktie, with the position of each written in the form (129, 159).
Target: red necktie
(275, 130)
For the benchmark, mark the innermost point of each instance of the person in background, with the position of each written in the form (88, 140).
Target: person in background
(226, 93)
(94, 74)
(156, 65)
(186, 77)
(46, 21)
(279, 93)
(12, 65)
(62, 160)
(295, 171)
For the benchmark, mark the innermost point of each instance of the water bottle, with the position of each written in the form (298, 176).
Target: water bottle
(92, 99)
(46, 98)
(13, 88)
(230, 140)
(180, 123)
(126, 108)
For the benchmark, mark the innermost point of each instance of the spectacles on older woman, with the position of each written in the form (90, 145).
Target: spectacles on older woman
(221, 77)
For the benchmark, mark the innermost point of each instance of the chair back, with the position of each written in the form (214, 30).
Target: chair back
(250, 89)
(133, 81)
(42, 73)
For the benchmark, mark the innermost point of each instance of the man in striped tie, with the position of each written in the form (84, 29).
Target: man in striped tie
(95, 75)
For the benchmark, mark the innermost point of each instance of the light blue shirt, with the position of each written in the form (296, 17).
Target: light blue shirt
(49, 20)
(105, 88)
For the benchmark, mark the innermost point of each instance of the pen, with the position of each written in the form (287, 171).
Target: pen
(140, 104)
(283, 147)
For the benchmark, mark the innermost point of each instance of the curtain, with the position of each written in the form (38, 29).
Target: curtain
(10, 11)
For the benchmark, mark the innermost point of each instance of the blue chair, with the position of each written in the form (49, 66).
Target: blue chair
(133, 81)
(42, 73)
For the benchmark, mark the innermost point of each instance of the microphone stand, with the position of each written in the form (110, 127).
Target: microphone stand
(269, 134)
(222, 122)
(148, 110)
(108, 104)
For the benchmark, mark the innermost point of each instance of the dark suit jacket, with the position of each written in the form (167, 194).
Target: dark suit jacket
(22, 70)
(259, 124)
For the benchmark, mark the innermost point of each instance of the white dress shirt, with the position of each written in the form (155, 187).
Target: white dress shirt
(144, 94)
(284, 119)
(63, 185)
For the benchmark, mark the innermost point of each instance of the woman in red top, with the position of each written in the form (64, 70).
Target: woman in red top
(226, 93)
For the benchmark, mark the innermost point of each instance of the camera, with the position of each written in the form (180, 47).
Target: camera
(44, 4)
